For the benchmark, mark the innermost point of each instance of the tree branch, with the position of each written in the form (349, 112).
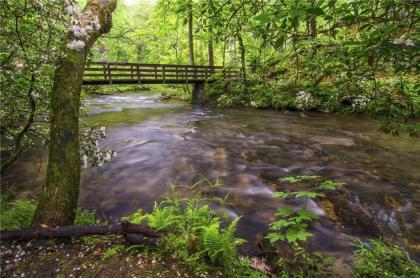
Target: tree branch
(123, 228)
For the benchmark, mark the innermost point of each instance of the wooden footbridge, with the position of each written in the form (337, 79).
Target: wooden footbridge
(104, 73)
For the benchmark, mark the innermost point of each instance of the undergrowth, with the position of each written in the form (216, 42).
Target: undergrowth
(18, 214)
(203, 239)
(378, 259)
(195, 234)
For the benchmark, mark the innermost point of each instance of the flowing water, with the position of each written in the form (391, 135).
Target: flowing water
(249, 150)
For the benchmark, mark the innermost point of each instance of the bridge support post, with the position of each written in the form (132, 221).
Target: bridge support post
(198, 93)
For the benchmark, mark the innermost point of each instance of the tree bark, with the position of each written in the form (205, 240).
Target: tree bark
(210, 48)
(190, 35)
(58, 201)
(311, 27)
(79, 230)
(243, 58)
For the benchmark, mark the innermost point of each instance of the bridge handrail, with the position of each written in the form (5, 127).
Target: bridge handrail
(152, 65)
(129, 73)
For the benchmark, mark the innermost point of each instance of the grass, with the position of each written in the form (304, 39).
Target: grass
(18, 214)
(378, 259)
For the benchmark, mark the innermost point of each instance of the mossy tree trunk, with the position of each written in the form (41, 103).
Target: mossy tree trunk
(57, 204)
(190, 35)
(210, 47)
(243, 58)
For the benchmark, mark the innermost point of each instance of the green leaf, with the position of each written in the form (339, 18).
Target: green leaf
(291, 236)
(305, 214)
(263, 18)
(329, 184)
(281, 224)
(303, 235)
(311, 194)
(281, 195)
(273, 237)
(349, 18)
(284, 211)
(298, 178)
(315, 11)
(331, 3)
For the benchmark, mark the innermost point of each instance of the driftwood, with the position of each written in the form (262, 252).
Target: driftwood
(124, 228)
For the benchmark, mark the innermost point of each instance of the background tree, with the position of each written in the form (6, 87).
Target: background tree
(27, 65)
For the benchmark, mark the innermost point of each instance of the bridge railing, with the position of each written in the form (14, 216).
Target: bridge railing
(130, 73)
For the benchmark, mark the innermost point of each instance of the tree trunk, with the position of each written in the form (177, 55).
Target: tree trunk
(191, 36)
(210, 48)
(232, 49)
(311, 27)
(243, 59)
(57, 204)
(224, 54)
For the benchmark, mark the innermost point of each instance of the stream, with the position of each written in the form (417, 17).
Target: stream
(248, 150)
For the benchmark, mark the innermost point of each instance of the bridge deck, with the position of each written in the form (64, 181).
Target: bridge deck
(102, 73)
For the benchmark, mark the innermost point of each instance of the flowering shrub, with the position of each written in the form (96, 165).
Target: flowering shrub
(304, 100)
(360, 102)
(90, 150)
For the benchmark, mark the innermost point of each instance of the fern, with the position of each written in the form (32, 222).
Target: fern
(193, 230)
(112, 251)
(136, 218)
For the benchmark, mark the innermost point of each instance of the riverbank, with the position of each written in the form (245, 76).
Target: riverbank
(114, 256)
(87, 258)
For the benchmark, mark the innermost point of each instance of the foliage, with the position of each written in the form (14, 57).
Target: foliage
(31, 37)
(112, 251)
(377, 258)
(193, 232)
(89, 148)
(18, 214)
(15, 215)
(344, 56)
(291, 225)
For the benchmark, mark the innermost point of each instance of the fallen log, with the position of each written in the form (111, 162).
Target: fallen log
(123, 228)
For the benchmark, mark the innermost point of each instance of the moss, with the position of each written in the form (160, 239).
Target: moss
(127, 116)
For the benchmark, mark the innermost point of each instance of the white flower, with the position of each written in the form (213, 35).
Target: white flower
(409, 43)
(96, 23)
(78, 31)
(76, 45)
(360, 102)
(398, 41)
(303, 100)
(69, 10)
(35, 94)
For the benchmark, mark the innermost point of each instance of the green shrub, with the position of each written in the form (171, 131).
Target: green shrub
(382, 260)
(18, 214)
(291, 226)
(193, 232)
